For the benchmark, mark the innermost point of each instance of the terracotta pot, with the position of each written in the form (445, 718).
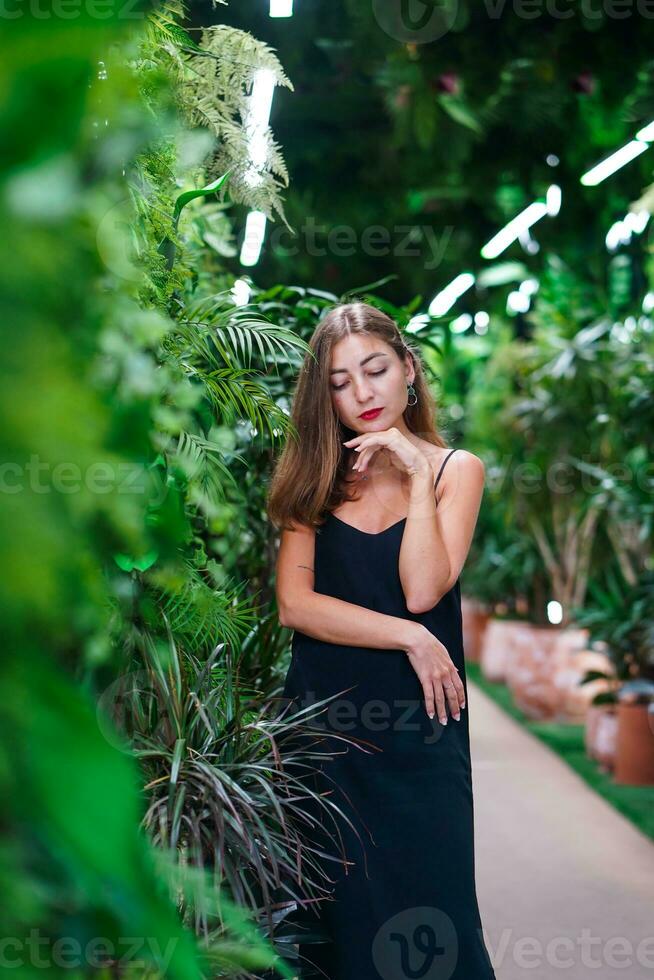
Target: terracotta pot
(634, 760)
(531, 668)
(475, 619)
(497, 647)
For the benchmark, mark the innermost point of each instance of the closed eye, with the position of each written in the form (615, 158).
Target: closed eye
(374, 374)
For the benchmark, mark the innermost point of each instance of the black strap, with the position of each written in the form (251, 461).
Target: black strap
(443, 467)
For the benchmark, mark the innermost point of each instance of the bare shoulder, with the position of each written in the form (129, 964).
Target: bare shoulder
(462, 460)
(471, 463)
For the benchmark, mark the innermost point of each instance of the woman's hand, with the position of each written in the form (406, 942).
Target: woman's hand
(437, 674)
(402, 452)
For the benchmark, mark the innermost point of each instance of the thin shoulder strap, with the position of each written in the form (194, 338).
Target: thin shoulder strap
(443, 467)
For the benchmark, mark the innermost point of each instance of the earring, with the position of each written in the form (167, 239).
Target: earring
(412, 391)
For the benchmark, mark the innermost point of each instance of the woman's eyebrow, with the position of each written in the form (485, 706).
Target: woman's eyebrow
(361, 363)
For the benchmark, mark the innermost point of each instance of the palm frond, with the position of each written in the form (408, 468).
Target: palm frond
(201, 615)
(206, 470)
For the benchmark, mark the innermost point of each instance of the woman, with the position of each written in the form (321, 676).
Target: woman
(370, 584)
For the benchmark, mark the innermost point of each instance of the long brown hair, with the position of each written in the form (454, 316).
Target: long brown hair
(309, 477)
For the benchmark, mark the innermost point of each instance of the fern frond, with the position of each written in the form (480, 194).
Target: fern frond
(216, 94)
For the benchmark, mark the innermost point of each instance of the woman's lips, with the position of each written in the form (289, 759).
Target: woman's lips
(372, 414)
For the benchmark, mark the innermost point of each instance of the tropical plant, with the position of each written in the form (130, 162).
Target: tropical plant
(620, 617)
(88, 197)
(226, 785)
(503, 569)
(220, 69)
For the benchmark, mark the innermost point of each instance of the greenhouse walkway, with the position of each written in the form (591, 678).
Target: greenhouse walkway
(565, 883)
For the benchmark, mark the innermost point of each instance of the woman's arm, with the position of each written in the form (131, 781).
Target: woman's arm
(436, 539)
(325, 617)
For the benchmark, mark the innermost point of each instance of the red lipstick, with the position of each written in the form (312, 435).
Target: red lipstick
(372, 413)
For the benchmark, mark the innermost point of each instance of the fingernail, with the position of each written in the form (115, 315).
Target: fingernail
(443, 721)
(431, 715)
(458, 717)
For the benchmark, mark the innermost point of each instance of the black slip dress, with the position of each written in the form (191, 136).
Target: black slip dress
(405, 906)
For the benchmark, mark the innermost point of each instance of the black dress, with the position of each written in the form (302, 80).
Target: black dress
(406, 906)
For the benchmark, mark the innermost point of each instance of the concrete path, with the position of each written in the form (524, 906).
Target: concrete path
(565, 883)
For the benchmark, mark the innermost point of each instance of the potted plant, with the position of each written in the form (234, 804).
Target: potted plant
(528, 411)
(622, 616)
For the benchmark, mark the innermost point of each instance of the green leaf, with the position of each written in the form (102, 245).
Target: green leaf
(188, 196)
(457, 111)
(128, 564)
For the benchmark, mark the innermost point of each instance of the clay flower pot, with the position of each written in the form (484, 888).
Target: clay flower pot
(634, 760)
(497, 647)
(531, 670)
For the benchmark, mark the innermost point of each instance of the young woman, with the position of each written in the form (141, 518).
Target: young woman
(377, 517)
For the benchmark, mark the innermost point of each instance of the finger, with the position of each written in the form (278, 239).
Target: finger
(452, 699)
(428, 691)
(365, 457)
(361, 460)
(455, 679)
(460, 689)
(440, 700)
(366, 440)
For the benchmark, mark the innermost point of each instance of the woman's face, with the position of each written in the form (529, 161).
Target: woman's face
(366, 373)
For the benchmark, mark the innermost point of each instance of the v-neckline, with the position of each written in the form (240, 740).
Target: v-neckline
(375, 534)
(370, 534)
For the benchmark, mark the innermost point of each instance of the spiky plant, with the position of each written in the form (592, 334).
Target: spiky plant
(229, 784)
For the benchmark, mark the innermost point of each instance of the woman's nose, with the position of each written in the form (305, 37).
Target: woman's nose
(362, 391)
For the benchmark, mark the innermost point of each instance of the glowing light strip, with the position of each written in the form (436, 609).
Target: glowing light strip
(255, 227)
(514, 229)
(447, 297)
(281, 8)
(617, 160)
